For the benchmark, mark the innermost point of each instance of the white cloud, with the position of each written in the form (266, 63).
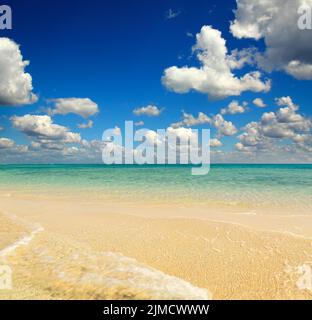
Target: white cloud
(44, 131)
(215, 76)
(70, 151)
(87, 125)
(215, 143)
(1, 128)
(189, 120)
(11, 148)
(289, 115)
(299, 70)
(150, 111)
(15, 84)
(287, 47)
(259, 103)
(183, 133)
(35, 145)
(139, 124)
(285, 123)
(6, 143)
(234, 107)
(239, 58)
(153, 138)
(286, 101)
(225, 128)
(83, 107)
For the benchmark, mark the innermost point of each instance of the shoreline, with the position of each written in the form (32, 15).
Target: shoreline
(267, 218)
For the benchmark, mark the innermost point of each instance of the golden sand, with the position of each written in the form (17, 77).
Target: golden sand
(96, 250)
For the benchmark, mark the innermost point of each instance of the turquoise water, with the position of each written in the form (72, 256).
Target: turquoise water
(230, 183)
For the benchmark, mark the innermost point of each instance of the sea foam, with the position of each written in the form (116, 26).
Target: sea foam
(114, 276)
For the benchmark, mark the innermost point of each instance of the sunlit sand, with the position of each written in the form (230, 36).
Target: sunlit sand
(80, 249)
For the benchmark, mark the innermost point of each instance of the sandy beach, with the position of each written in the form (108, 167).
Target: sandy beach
(80, 249)
(156, 150)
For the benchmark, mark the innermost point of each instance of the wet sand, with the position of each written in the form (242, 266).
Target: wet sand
(80, 249)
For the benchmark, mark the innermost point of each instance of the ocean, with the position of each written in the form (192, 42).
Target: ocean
(287, 185)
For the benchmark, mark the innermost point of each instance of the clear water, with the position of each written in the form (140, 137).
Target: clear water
(274, 184)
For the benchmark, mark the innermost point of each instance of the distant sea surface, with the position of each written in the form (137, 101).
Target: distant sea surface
(280, 185)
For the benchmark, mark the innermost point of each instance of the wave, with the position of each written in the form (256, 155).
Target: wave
(70, 270)
(114, 276)
(24, 241)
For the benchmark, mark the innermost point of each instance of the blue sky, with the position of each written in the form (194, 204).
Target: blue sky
(116, 52)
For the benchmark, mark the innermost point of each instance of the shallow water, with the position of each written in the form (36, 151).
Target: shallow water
(287, 186)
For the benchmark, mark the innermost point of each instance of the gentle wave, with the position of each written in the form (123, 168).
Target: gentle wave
(107, 275)
(24, 241)
(115, 276)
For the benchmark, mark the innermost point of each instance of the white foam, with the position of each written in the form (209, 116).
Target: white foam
(117, 273)
(24, 241)
(248, 213)
(112, 272)
(20, 242)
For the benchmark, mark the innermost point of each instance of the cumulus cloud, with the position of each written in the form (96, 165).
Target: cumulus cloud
(87, 125)
(299, 70)
(215, 143)
(259, 103)
(234, 107)
(186, 135)
(46, 133)
(83, 107)
(285, 123)
(189, 120)
(6, 143)
(150, 111)
(11, 148)
(182, 133)
(1, 128)
(139, 124)
(225, 128)
(178, 141)
(71, 151)
(15, 84)
(287, 47)
(215, 76)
